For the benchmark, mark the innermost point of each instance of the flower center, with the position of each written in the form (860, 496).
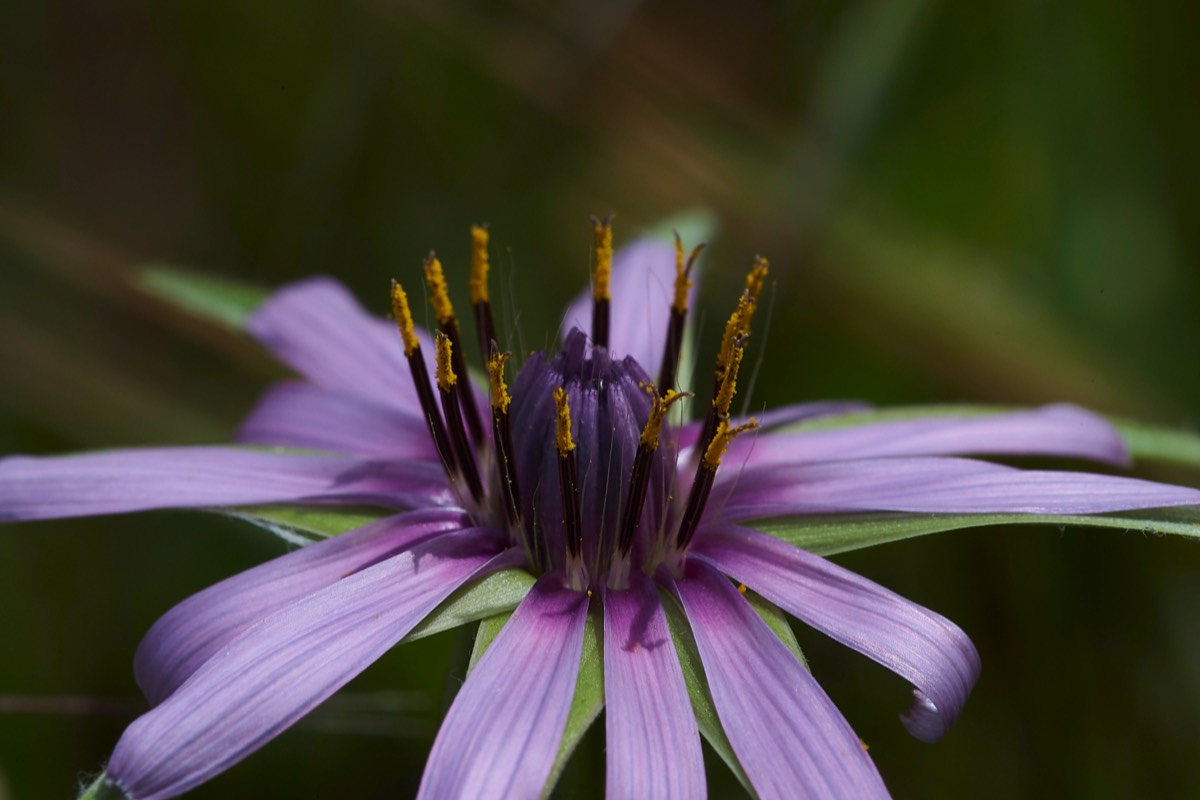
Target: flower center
(580, 467)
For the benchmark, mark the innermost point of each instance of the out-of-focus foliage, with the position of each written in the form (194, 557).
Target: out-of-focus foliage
(991, 201)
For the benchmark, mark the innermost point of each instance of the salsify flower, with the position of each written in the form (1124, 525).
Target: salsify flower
(580, 475)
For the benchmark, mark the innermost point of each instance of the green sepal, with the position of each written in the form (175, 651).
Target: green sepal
(222, 301)
(304, 525)
(840, 533)
(491, 597)
(102, 789)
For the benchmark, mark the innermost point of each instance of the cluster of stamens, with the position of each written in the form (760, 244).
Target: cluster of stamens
(468, 454)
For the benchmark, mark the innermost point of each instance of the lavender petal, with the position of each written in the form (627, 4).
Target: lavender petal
(1058, 430)
(180, 477)
(777, 417)
(305, 415)
(653, 741)
(789, 737)
(282, 667)
(502, 733)
(189, 634)
(931, 485)
(923, 647)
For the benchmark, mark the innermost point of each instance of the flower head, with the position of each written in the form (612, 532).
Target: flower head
(579, 473)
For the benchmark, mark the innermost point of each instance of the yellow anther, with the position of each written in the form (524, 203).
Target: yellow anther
(445, 368)
(562, 423)
(404, 319)
(439, 292)
(721, 439)
(602, 271)
(742, 588)
(756, 277)
(500, 395)
(479, 264)
(682, 270)
(736, 327)
(724, 398)
(658, 410)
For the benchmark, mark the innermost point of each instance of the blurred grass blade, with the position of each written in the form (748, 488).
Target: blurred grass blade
(226, 302)
(828, 535)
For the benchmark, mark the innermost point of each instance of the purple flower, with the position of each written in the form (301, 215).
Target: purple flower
(579, 476)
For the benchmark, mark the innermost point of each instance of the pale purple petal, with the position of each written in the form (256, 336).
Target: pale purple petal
(193, 631)
(305, 415)
(643, 286)
(501, 735)
(1059, 430)
(788, 736)
(925, 648)
(785, 415)
(653, 741)
(117, 481)
(316, 327)
(286, 664)
(931, 485)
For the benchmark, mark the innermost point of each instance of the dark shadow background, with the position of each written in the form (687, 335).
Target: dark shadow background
(992, 201)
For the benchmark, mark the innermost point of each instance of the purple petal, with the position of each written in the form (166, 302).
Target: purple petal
(932, 485)
(1060, 430)
(785, 415)
(280, 668)
(927, 649)
(501, 735)
(643, 286)
(196, 629)
(653, 741)
(318, 329)
(305, 415)
(117, 481)
(787, 734)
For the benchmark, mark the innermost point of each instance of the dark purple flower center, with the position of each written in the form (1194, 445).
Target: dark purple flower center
(580, 467)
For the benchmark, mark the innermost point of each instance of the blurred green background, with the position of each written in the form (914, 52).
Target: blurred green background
(992, 201)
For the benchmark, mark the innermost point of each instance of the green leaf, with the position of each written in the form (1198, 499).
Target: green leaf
(588, 699)
(1145, 442)
(491, 598)
(226, 302)
(828, 535)
(302, 525)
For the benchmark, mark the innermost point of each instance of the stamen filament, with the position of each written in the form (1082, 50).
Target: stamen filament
(639, 480)
(485, 325)
(447, 381)
(502, 437)
(705, 475)
(420, 376)
(668, 371)
(601, 278)
(567, 477)
(439, 298)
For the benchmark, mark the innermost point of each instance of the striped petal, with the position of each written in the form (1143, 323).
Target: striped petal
(1060, 430)
(653, 741)
(925, 648)
(931, 485)
(196, 629)
(787, 734)
(501, 735)
(187, 477)
(282, 667)
(294, 414)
